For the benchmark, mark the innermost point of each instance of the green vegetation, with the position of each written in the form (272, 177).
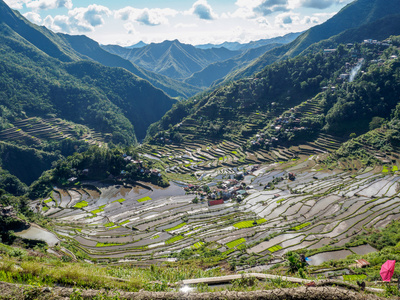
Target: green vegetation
(119, 200)
(360, 277)
(124, 222)
(174, 239)
(144, 199)
(110, 224)
(108, 244)
(248, 224)
(100, 164)
(197, 245)
(275, 248)
(235, 243)
(96, 211)
(81, 204)
(155, 237)
(176, 227)
(301, 226)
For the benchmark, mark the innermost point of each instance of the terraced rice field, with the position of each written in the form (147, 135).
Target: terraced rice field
(318, 208)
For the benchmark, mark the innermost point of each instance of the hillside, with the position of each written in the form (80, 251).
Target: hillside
(218, 70)
(49, 94)
(355, 14)
(172, 58)
(91, 49)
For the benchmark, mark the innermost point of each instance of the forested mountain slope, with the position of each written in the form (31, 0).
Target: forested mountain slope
(355, 14)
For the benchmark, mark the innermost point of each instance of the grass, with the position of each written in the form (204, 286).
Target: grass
(197, 245)
(395, 168)
(81, 204)
(274, 248)
(174, 239)
(124, 222)
(235, 243)
(144, 199)
(119, 200)
(281, 200)
(48, 201)
(176, 227)
(155, 237)
(359, 277)
(45, 208)
(301, 226)
(110, 224)
(385, 169)
(248, 224)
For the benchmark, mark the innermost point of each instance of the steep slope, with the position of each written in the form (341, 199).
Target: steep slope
(355, 14)
(218, 70)
(43, 39)
(172, 58)
(231, 112)
(36, 84)
(91, 49)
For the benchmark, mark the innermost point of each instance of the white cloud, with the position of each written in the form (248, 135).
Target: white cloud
(267, 7)
(15, 4)
(203, 10)
(183, 25)
(130, 28)
(33, 17)
(82, 19)
(48, 4)
(146, 16)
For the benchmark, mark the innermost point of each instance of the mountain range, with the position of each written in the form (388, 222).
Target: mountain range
(353, 15)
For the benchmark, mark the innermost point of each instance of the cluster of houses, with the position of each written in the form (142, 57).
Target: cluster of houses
(140, 167)
(230, 189)
(262, 139)
(385, 43)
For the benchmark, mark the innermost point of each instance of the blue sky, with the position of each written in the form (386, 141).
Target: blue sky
(126, 22)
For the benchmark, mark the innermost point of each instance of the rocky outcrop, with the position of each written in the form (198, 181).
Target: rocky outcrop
(9, 219)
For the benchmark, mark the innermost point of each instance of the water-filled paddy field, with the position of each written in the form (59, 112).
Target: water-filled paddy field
(145, 222)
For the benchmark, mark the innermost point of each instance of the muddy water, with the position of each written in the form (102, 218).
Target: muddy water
(39, 234)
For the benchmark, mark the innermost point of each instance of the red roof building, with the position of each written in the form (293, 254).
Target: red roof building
(215, 202)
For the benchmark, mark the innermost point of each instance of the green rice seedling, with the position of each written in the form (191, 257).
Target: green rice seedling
(144, 199)
(96, 211)
(110, 224)
(124, 222)
(174, 239)
(235, 243)
(197, 245)
(81, 204)
(274, 248)
(301, 226)
(119, 200)
(108, 244)
(155, 237)
(176, 227)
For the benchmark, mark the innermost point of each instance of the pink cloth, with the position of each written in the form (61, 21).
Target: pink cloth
(387, 270)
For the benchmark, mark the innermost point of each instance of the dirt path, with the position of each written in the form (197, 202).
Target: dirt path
(20, 292)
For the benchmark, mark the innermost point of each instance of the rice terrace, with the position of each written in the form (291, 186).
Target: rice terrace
(145, 224)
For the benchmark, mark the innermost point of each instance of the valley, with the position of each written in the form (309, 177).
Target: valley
(167, 167)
